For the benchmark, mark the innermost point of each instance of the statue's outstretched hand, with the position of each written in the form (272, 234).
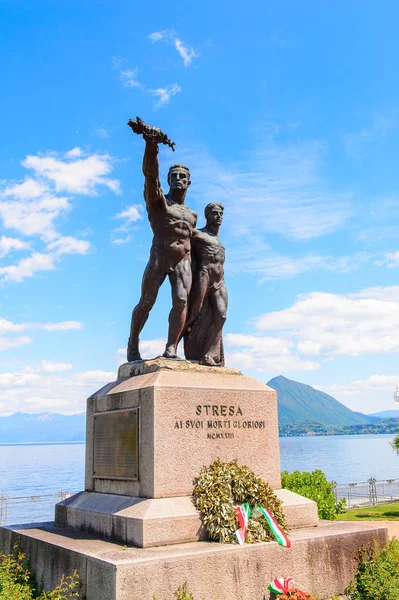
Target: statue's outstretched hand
(150, 133)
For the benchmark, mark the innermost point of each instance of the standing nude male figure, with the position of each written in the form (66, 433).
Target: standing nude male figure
(208, 300)
(172, 223)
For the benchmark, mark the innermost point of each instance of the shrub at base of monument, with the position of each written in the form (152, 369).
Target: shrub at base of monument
(377, 575)
(222, 485)
(17, 581)
(314, 486)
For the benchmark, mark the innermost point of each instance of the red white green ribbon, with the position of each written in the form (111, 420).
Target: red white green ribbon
(274, 526)
(283, 586)
(244, 512)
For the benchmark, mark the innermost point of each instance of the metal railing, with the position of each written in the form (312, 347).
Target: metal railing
(29, 509)
(367, 493)
(34, 509)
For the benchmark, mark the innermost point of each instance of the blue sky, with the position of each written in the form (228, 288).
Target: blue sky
(285, 112)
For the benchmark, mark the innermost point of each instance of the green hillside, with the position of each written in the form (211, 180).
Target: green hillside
(300, 402)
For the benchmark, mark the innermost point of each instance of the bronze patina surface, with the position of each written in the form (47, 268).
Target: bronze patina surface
(192, 259)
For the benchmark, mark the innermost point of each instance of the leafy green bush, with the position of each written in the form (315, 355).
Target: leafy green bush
(377, 574)
(18, 583)
(395, 443)
(314, 486)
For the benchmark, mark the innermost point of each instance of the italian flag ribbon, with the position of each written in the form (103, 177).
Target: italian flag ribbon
(244, 512)
(283, 586)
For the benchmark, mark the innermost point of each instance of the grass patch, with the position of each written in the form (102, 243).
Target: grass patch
(383, 512)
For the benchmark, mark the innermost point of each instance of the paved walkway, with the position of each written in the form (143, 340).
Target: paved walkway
(392, 526)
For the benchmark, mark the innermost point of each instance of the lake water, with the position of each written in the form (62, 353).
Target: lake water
(46, 469)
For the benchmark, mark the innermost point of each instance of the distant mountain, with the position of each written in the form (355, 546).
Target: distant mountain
(42, 427)
(386, 414)
(298, 402)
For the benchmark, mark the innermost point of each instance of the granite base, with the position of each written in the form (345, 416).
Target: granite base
(321, 559)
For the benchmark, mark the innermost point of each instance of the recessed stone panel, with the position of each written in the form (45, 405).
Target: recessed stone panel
(116, 444)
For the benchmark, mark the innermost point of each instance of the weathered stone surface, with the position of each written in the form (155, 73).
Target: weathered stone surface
(189, 418)
(146, 522)
(142, 367)
(321, 560)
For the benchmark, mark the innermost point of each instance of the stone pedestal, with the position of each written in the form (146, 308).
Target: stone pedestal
(148, 436)
(188, 415)
(134, 532)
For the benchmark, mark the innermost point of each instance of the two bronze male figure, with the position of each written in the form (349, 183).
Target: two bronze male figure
(192, 259)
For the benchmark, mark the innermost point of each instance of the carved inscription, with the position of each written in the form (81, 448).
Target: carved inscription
(219, 428)
(116, 445)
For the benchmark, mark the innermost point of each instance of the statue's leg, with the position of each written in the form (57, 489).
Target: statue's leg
(218, 300)
(180, 280)
(197, 296)
(154, 276)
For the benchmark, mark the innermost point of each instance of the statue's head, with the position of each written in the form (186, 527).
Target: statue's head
(179, 179)
(214, 213)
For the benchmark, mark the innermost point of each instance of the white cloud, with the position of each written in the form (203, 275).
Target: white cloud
(36, 390)
(276, 188)
(131, 214)
(391, 261)
(123, 234)
(80, 176)
(388, 293)
(54, 367)
(324, 324)
(68, 245)
(44, 261)
(28, 267)
(63, 326)
(7, 343)
(7, 244)
(27, 190)
(148, 349)
(259, 259)
(8, 327)
(118, 240)
(370, 395)
(165, 94)
(128, 78)
(31, 209)
(187, 53)
(264, 354)
(74, 153)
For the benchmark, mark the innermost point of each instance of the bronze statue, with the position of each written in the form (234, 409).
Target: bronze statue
(172, 223)
(208, 299)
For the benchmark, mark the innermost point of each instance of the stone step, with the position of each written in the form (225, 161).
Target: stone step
(321, 560)
(146, 522)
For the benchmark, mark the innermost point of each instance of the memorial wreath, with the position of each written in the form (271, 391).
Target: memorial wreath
(217, 491)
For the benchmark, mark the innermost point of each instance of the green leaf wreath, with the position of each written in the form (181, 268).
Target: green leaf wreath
(222, 486)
